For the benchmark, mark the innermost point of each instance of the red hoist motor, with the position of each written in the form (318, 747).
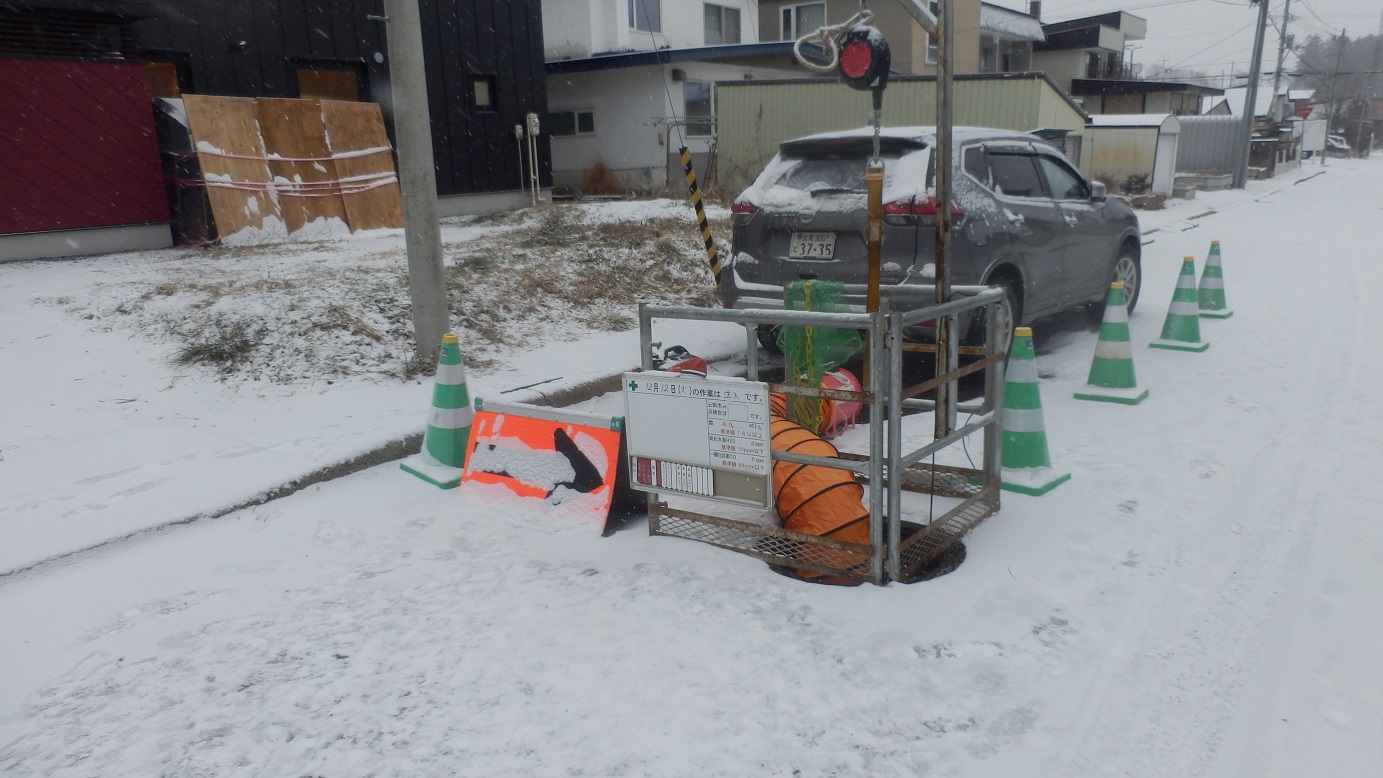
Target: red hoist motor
(864, 60)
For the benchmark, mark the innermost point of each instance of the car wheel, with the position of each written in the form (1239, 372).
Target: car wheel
(1009, 314)
(1127, 269)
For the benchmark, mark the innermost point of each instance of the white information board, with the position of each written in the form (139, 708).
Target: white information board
(1313, 135)
(707, 437)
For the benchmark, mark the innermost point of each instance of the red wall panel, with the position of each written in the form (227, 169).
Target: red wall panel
(77, 147)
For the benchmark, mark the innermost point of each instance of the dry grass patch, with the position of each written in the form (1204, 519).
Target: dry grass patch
(222, 343)
(293, 314)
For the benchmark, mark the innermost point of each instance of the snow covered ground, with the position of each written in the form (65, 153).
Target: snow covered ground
(1200, 599)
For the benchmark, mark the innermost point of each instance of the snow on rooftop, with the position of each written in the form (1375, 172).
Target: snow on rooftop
(1130, 120)
(1010, 23)
(1235, 97)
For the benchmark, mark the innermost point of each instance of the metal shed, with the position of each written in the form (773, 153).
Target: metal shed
(1120, 147)
(1208, 143)
(755, 116)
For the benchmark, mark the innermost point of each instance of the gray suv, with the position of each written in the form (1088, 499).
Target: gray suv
(1025, 219)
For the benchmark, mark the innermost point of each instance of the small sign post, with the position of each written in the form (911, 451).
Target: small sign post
(702, 437)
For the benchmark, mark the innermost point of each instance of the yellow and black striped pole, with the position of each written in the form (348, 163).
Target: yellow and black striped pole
(695, 194)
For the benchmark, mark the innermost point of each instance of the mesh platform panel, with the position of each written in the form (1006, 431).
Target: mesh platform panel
(775, 546)
(937, 536)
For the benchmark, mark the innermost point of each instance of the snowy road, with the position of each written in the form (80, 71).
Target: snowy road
(1200, 599)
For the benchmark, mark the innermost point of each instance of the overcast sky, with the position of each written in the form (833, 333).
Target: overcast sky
(1216, 36)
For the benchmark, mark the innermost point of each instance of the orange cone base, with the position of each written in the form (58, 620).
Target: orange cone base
(1224, 314)
(1178, 345)
(1035, 481)
(432, 471)
(1122, 396)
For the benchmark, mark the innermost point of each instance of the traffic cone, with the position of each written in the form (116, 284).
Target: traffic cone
(443, 457)
(1182, 329)
(1111, 373)
(1027, 467)
(1211, 294)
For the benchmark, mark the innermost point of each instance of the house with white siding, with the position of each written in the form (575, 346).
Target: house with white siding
(631, 81)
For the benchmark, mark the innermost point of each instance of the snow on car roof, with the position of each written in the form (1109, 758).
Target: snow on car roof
(922, 134)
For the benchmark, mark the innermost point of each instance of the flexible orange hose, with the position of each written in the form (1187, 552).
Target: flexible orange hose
(817, 500)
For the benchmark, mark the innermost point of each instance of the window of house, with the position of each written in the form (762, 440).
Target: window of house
(483, 88)
(571, 123)
(329, 81)
(646, 15)
(722, 24)
(799, 20)
(168, 73)
(162, 79)
(697, 97)
(933, 51)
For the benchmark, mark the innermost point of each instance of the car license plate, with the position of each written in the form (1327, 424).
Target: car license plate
(812, 245)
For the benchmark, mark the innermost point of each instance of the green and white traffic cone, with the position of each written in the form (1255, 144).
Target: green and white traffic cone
(443, 457)
(1211, 294)
(1111, 373)
(1027, 467)
(1182, 329)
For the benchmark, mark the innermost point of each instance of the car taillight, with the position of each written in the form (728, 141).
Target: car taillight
(899, 212)
(743, 206)
(927, 207)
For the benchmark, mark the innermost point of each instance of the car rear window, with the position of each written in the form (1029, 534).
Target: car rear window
(821, 175)
(834, 177)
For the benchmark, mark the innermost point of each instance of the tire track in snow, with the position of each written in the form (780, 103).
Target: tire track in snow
(1167, 693)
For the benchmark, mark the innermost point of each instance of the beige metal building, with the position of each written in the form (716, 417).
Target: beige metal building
(1119, 146)
(755, 116)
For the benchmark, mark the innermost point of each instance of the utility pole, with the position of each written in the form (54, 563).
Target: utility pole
(1282, 39)
(1330, 103)
(427, 287)
(1241, 172)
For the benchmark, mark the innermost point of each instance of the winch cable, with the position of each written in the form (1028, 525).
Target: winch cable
(828, 37)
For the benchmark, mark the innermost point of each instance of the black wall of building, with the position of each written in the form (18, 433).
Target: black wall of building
(252, 48)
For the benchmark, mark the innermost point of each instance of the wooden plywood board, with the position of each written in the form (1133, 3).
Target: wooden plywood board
(231, 151)
(304, 173)
(372, 196)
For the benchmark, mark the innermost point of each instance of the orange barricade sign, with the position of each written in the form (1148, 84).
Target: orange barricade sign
(565, 458)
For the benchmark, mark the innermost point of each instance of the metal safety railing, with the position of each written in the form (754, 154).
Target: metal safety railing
(896, 551)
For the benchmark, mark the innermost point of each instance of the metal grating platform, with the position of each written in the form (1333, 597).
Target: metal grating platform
(935, 538)
(772, 545)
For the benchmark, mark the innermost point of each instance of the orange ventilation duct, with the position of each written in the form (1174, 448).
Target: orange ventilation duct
(818, 500)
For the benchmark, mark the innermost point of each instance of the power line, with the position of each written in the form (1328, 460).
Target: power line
(1213, 45)
(1308, 7)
